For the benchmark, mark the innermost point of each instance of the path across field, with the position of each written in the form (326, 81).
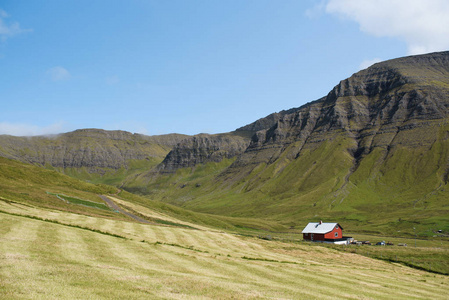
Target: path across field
(114, 206)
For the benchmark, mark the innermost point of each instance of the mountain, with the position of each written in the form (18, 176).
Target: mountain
(374, 153)
(90, 148)
(117, 157)
(94, 154)
(379, 107)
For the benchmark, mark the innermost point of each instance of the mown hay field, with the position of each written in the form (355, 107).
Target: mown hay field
(49, 254)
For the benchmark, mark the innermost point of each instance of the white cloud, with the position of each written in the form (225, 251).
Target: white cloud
(21, 129)
(58, 73)
(369, 62)
(422, 24)
(9, 30)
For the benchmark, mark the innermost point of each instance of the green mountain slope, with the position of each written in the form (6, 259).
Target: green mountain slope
(372, 154)
(33, 186)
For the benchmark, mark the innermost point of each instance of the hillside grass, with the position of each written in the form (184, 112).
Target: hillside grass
(29, 184)
(103, 259)
(114, 177)
(390, 191)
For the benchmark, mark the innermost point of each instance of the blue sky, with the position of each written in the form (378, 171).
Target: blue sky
(192, 66)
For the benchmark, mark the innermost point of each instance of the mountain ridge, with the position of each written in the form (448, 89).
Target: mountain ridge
(378, 141)
(91, 148)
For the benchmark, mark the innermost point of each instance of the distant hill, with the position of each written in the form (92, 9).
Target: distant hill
(112, 156)
(92, 154)
(90, 148)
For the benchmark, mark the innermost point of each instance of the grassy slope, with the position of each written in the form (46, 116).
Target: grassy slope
(51, 249)
(28, 184)
(390, 192)
(113, 177)
(426, 254)
(42, 259)
(279, 191)
(402, 189)
(394, 188)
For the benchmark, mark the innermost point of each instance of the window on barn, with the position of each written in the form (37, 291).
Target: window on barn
(336, 234)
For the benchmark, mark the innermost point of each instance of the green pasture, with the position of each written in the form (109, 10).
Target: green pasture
(79, 201)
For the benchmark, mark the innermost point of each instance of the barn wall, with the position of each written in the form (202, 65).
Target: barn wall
(331, 234)
(318, 237)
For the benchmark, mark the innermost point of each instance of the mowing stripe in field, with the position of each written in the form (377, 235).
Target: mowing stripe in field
(147, 232)
(168, 264)
(407, 285)
(15, 261)
(57, 261)
(205, 268)
(179, 235)
(91, 251)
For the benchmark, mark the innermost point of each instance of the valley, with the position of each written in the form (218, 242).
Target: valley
(213, 216)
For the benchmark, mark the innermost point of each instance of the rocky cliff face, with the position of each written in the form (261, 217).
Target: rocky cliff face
(266, 122)
(391, 103)
(97, 150)
(202, 149)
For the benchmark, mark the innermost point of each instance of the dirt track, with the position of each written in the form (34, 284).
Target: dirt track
(114, 206)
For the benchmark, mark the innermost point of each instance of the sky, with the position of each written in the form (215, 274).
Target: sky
(192, 66)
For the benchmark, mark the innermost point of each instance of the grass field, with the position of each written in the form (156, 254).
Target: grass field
(429, 254)
(52, 254)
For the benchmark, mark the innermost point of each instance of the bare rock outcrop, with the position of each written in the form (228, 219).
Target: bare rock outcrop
(202, 149)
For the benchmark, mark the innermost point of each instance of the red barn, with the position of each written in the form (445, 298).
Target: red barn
(323, 232)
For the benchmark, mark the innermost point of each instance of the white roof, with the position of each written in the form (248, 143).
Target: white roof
(319, 228)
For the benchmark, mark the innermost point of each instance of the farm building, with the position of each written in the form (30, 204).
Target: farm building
(324, 232)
